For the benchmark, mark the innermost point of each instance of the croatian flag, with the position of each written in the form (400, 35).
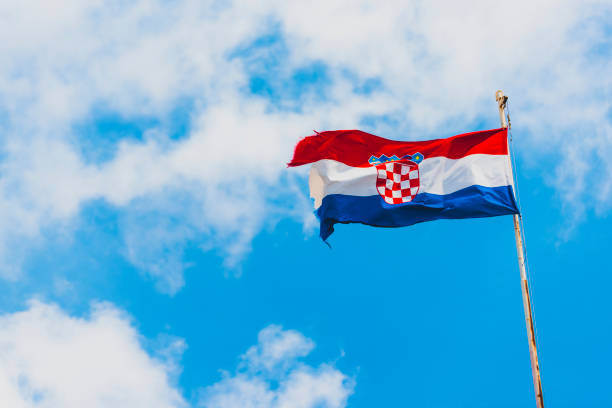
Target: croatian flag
(359, 177)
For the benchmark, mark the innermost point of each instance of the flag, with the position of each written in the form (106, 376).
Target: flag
(357, 177)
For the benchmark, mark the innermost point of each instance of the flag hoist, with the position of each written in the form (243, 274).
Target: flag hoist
(357, 177)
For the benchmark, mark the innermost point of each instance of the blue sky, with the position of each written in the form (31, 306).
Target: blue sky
(156, 251)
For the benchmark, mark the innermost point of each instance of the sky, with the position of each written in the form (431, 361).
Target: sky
(155, 250)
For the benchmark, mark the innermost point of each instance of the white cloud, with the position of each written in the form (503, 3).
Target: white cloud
(276, 347)
(437, 65)
(49, 359)
(271, 376)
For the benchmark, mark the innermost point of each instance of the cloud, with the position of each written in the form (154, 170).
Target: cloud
(271, 376)
(250, 80)
(50, 359)
(276, 347)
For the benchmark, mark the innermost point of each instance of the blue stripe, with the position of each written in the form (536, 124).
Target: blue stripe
(470, 202)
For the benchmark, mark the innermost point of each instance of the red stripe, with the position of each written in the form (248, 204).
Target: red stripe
(354, 147)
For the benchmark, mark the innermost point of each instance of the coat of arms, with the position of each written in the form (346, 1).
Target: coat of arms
(397, 178)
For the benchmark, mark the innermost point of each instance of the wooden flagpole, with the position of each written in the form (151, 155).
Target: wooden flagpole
(535, 368)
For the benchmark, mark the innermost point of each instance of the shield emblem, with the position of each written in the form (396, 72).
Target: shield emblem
(398, 181)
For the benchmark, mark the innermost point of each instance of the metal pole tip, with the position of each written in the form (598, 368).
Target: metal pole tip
(499, 95)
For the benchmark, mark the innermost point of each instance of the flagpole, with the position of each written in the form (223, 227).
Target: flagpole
(535, 368)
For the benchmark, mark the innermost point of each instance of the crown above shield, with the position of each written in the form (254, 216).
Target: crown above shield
(374, 161)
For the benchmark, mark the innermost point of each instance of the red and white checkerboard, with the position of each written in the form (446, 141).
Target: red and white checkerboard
(398, 182)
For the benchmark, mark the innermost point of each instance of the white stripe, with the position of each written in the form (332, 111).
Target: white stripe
(332, 177)
(439, 175)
